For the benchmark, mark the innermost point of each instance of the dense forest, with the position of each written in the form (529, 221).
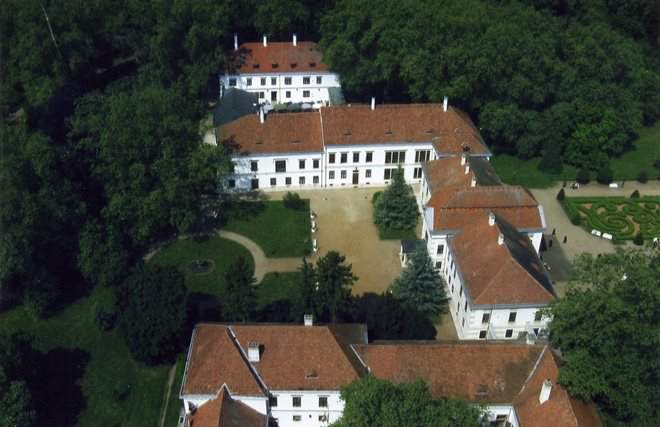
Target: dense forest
(101, 102)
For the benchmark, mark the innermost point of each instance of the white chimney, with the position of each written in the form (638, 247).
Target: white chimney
(262, 118)
(265, 41)
(309, 320)
(463, 159)
(500, 239)
(491, 219)
(473, 182)
(253, 352)
(235, 42)
(373, 103)
(445, 104)
(546, 388)
(295, 40)
(467, 168)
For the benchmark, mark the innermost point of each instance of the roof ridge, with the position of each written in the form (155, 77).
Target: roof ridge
(531, 373)
(234, 339)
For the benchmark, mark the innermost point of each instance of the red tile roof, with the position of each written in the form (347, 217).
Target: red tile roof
(560, 409)
(278, 57)
(280, 133)
(446, 173)
(224, 411)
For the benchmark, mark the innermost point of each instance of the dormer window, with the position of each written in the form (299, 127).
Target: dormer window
(312, 64)
(294, 65)
(275, 65)
(255, 66)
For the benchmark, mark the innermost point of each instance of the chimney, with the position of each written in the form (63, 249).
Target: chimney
(463, 159)
(309, 319)
(445, 104)
(373, 103)
(262, 117)
(235, 41)
(546, 388)
(500, 239)
(473, 182)
(467, 168)
(265, 41)
(295, 40)
(491, 219)
(253, 352)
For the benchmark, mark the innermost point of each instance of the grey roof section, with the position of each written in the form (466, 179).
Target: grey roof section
(336, 96)
(484, 172)
(410, 246)
(524, 254)
(235, 103)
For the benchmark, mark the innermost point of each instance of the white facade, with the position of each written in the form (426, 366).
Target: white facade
(277, 171)
(310, 412)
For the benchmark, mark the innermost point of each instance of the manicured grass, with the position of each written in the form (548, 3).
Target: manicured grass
(278, 286)
(280, 231)
(515, 171)
(174, 403)
(641, 158)
(116, 390)
(395, 234)
(182, 253)
(619, 216)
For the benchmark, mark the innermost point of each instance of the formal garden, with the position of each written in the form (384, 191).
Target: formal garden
(636, 218)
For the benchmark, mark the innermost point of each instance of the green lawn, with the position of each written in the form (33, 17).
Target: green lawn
(278, 286)
(116, 390)
(174, 403)
(280, 231)
(515, 171)
(182, 253)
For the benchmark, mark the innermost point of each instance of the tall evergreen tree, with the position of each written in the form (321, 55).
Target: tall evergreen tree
(396, 207)
(335, 282)
(239, 297)
(420, 285)
(308, 289)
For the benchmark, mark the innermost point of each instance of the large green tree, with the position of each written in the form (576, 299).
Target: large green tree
(420, 285)
(608, 329)
(375, 402)
(239, 299)
(396, 207)
(16, 406)
(335, 280)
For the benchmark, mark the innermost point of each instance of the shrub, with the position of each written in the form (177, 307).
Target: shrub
(604, 175)
(551, 161)
(656, 164)
(561, 195)
(583, 176)
(635, 194)
(293, 201)
(375, 197)
(105, 319)
(643, 177)
(575, 218)
(638, 239)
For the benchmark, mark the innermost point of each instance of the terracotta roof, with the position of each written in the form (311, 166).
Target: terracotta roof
(293, 357)
(280, 133)
(278, 57)
(510, 273)
(491, 372)
(397, 123)
(224, 411)
(560, 409)
(523, 218)
(216, 360)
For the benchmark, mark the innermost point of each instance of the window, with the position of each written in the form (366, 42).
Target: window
(482, 335)
(315, 179)
(263, 81)
(254, 165)
(438, 265)
(343, 174)
(301, 164)
(319, 80)
(344, 158)
(287, 180)
(297, 418)
(356, 157)
(280, 166)
(273, 401)
(305, 94)
(273, 182)
(331, 158)
(417, 173)
(485, 318)
(441, 249)
(248, 81)
(262, 95)
(232, 82)
(306, 80)
(287, 94)
(254, 184)
(460, 294)
(422, 156)
(323, 418)
(315, 163)
(508, 333)
(287, 80)
(389, 173)
(536, 331)
(296, 401)
(367, 173)
(323, 402)
(395, 157)
(537, 316)
(463, 323)
(465, 308)
(301, 180)
(512, 317)
(370, 157)
(331, 175)
(273, 81)
(231, 183)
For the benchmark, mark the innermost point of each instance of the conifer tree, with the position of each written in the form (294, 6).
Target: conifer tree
(396, 207)
(240, 298)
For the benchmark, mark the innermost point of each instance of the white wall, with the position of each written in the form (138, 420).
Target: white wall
(266, 171)
(309, 411)
(275, 83)
(492, 411)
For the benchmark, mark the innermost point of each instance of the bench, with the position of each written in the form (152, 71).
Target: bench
(596, 233)
(607, 236)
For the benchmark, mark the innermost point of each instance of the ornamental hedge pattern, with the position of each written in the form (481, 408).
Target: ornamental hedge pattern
(618, 216)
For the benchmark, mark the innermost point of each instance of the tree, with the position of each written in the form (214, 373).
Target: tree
(308, 288)
(152, 308)
(583, 176)
(396, 207)
(375, 402)
(551, 161)
(239, 297)
(420, 285)
(16, 406)
(608, 329)
(335, 280)
(604, 175)
(561, 195)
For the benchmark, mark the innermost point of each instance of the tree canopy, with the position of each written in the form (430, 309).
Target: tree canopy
(608, 329)
(396, 207)
(239, 300)
(16, 406)
(335, 280)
